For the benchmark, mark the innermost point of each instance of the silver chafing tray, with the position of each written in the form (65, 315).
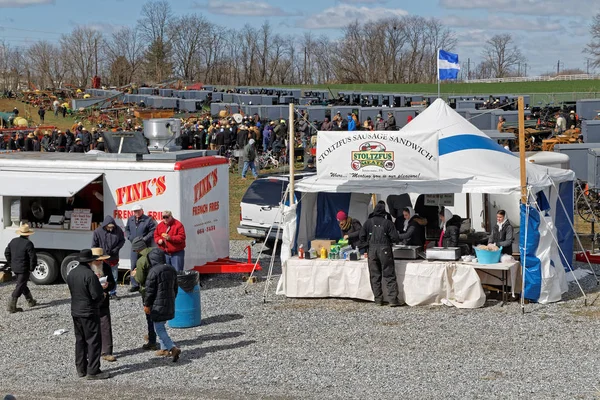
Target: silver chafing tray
(443, 253)
(402, 252)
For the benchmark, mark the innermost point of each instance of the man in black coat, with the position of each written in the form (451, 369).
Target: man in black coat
(380, 233)
(159, 303)
(20, 255)
(110, 237)
(103, 271)
(86, 297)
(139, 225)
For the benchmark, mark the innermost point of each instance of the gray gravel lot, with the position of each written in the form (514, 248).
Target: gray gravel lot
(313, 349)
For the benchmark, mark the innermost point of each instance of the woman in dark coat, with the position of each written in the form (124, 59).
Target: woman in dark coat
(450, 225)
(350, 228)
(413, 233)
(502, 233)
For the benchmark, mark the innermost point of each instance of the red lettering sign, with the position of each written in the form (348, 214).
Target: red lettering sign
(140, 191)
(205, 185)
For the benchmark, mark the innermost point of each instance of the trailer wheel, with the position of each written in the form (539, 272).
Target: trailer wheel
(67, 265)
(46, 271)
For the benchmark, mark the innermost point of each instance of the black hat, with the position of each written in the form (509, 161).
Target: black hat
(86, 256)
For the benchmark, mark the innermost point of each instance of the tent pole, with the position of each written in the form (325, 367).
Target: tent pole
(291, 154)
(524, 194)
(522, 150)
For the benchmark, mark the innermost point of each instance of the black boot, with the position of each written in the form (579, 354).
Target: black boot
(12, 306)
(30, 300)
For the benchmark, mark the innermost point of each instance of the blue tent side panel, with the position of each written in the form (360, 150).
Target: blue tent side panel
(328, 205)
(564, 232)
(533, 265)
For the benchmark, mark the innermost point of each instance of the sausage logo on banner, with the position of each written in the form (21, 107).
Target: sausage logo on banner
(377, 155)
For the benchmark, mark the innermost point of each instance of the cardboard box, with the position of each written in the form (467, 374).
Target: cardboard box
(317, 244)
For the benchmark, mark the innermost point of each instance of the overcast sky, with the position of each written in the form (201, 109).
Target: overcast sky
(546, 30)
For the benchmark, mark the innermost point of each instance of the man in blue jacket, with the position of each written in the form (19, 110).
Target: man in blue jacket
(139, 225)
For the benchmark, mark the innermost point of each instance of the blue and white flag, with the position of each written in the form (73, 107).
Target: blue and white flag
(448, 65)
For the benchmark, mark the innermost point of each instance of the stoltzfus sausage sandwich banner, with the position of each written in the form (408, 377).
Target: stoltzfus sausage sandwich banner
(369, 155)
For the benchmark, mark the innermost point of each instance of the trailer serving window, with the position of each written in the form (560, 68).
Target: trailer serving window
(41, 195)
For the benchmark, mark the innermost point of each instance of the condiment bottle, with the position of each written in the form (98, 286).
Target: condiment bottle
(301, 251)
(323, 252)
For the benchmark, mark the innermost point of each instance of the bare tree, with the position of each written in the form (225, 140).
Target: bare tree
(125, 50)
(153, 26)
(501, 53)
(593, 47)
(47, 63)
(80, 49)
(186, 36)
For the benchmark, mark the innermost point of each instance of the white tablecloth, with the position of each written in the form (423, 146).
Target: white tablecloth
(419, 282)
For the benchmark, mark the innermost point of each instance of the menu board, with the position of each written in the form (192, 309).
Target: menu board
(446, 200)
(81, 221)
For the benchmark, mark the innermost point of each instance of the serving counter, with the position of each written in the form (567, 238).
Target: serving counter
(419, 282)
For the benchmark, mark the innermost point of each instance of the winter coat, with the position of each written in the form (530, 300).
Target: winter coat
(36, 145)
(143, 265)
(176, 231)
(100, 146)
(415, 233)
(143, 228)
(86, 139)
(353, 233)
(161, 290)
(452, 232)
(503, 237)
(379, 231)
(110, 242)
(78, 148)
(249, 153)
(326, 126)
(110, 279)
(20, 255)
(28, 144)
(351, 125)
(391, 123)
(86, 291)
(381, 125)
(46, 140)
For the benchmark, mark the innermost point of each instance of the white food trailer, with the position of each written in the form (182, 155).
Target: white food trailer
(34, 187)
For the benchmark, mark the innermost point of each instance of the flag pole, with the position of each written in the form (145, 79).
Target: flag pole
(438, 72)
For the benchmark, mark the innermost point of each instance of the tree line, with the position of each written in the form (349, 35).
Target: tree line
(163, 47)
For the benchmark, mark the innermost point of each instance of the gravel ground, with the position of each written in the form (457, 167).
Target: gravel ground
(313, 349)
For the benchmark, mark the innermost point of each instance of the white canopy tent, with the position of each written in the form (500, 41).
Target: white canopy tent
(468, 162)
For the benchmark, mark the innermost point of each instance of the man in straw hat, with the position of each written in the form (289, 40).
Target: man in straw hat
(20, 255)
(86, 297)
(104, 273)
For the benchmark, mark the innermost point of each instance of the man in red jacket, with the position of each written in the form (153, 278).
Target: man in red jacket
(169, 235)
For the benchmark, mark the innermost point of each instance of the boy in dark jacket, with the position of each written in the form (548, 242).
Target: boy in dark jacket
(159, 303)
(111, 239)
(20, 255)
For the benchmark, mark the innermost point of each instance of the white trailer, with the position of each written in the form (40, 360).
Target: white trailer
(35, 186)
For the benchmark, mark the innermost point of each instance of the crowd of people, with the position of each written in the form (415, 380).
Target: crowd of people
(157, 256)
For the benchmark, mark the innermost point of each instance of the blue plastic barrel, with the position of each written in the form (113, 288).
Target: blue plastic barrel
(187, 307)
